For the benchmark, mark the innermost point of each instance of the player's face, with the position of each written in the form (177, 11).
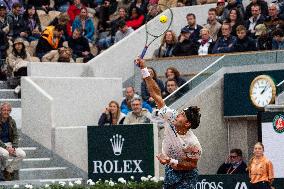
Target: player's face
(258, 150)
(180, 120)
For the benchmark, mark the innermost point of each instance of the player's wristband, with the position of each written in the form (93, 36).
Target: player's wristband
(173, 162)
(145, 73)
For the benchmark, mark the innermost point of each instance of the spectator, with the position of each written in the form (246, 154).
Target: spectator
(173, 73)
(234, 164)
(225, 44)
(51, 39)
(244, 43)
(40, 5)
(144, 91)
(74, 10)
(4, 45)
(32, 23)
(255, 19)
(123, 31)
(220, 9)
(212, 24)
(9, 142)
(167, 46)
(136, 19)
(126, 103)
(185, 45)
(273, 20)
(205, 44)
(278, 39)
(264, 40)
(3, 19)
(153, 11)
(168, 3)
(193, 28)
(112, 115)
(17, 62)
(62, 54)
(171, 86)
(17, 27)
(232, 4)
(260, 169)
(263, 8)
(138, 114)
(80, 46)
(235, 20)
(85, 24)
(61, 5)
(139, 4)
(63, 19)
(9, 4)
(104, 12)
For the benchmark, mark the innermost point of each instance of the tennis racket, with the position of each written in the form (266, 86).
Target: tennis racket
(157, 27)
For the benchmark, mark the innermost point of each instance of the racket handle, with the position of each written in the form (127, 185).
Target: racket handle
(143, 52)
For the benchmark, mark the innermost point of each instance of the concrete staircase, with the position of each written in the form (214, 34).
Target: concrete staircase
(40, 165)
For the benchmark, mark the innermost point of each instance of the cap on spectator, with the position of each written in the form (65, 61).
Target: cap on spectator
(185, 30)
(220, 1)
(260, 29)
(19, 40)
(2, 6)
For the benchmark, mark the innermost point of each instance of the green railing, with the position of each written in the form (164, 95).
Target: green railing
(229, 60)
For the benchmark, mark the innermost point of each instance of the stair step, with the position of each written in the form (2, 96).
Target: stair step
(35, 152)
(16, 103)
(44, 173)
(36, 162)
(8, 94)
(4, 85)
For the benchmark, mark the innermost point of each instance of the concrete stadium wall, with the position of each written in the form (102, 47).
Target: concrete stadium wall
(48, 103)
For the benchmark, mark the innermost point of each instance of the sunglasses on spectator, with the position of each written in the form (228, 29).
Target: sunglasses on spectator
(233, 156)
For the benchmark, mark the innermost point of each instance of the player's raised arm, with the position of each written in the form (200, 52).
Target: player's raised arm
(152, 86)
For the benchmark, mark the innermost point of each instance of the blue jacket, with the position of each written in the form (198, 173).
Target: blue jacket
(223, 45)
(124, 108)
(89, 28)
(277, 45)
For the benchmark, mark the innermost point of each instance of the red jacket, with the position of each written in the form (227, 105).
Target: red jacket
(72, 12)
(135, 23)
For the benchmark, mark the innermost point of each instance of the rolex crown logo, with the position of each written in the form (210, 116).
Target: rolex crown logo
(117, 144)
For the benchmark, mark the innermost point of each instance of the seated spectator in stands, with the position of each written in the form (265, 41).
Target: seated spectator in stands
(152, 11)
(205, 44)
(62, 54)
(112, 115)
(61, 5)
(255, 19)
(107, 8)
(167, 46)
(17, 61)
(171, 86)
(40, 5)
(278, 39)
(212, 24)
(74, 10)
(85, 24)
(192, 27)
(144, 90)
(225, 44)
(234, 164)
(138, 114)
(139, 4)
(244, 43)
(185, 45)
(235, 20)
(232, 4)
(125, 106)
(9, 4)
(123, 31)
(51, 39)
(220, 9)
(17, 27)
(80, 46)
(32, 23)
(273, 20)
(136, 19)
(4, 45)
(173, 73)
(63, 19)
(263, 8)
(9, 140)
(264, 40)
(3, 19)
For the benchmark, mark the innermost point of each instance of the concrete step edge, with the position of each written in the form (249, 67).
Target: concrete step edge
(34, 159)
(43, 169)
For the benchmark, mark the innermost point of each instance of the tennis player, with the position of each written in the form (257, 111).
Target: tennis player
(181, 149)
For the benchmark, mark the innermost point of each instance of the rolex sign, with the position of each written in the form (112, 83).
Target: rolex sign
(120, 151)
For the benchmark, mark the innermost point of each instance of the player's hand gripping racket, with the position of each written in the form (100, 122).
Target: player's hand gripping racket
(158, 27)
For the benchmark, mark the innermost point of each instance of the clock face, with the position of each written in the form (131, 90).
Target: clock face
(262, 91)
